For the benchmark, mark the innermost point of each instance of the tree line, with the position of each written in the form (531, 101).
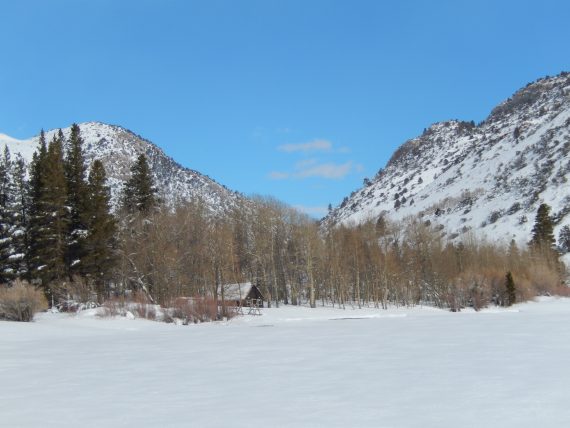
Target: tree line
(295, 260)
(57, 231)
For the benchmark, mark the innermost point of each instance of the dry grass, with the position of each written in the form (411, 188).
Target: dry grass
(21, 302)
(137, 304)
(482, 287)
(193, 310)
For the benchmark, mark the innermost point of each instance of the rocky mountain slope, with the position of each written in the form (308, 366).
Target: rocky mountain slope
(118, 147)
(488, 178)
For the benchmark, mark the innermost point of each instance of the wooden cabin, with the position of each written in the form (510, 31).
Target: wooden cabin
(241, 294)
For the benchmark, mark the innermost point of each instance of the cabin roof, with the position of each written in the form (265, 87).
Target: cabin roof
(238, 291)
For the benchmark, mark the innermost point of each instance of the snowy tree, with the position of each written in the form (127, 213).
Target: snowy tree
(12, 217)
(20, 206)
(7, 217)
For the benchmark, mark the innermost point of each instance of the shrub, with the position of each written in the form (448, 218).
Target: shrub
(198, 309)
(74, 296)
(181, 308)
(544, 281)
(114, 306)
(494, 216)
(514, 208)
(21, 302)
(146, 311)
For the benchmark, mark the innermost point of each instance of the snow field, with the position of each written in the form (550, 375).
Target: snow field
(292, 367)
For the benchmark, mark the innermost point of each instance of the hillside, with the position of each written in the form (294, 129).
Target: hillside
(488, 178)
(118, 147)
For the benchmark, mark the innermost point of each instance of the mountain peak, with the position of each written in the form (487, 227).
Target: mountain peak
(437, 134)
(538, 94)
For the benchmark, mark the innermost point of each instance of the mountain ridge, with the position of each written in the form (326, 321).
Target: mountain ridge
(117, 147)
(488, 178)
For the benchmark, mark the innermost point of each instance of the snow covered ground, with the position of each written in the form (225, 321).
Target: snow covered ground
(292, 367)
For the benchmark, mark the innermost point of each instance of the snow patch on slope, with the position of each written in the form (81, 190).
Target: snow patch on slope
(488, 178)
(118, 149)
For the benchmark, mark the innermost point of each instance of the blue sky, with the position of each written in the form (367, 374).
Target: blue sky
(296, 99)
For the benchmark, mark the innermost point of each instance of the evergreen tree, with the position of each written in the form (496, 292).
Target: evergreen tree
(564, 239)
(12, 217)
(77, 200)
(100, 241)
(139, 193)
(20, 206)
(510, 289)
(37, 173)
(6, 217)
(36, 229)
(49, 220)
(543, 241)
(543, 231)
(55, 204)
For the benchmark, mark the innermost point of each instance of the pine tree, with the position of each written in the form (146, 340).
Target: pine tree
(36, 227)
(77, 200)
(48, 216)
(6, 217)
(139, 193)
(564, 239)
(56, 210)
(543, 231)
(100, 241)
(510, 289)
(12, 217)
(543, 242)
(20, 206)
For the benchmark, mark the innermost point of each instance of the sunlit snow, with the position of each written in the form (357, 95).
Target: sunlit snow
(292, 367)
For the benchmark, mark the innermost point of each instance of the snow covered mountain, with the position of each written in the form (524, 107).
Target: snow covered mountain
(118, 148)
(489, 178)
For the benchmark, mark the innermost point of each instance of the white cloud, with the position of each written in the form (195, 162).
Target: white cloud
(312, 167)
(325, 170)
(311, 146)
